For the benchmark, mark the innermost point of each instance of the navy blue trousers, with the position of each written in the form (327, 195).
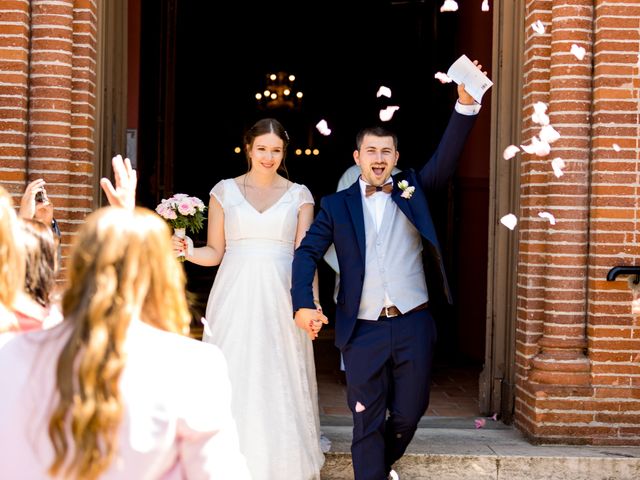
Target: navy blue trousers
(388, 369)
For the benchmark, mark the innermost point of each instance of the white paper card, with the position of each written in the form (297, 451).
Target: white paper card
(475, 82)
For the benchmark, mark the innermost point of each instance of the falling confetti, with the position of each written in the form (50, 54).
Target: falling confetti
(494, 417)
(485, 5)
(323, 128)
(538, 27)
(480, 422)
(386, 91)
(616, 147)
(443, 77)
(449, 6)
(538, 147)
(539, 116)
(510, 152)
(207, 330)
(548, 216)
(558, 164)
(549, 134)
(387, 113)
(579, 52)
(509, 220)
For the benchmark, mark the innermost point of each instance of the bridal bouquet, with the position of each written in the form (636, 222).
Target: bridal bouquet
(183, 213)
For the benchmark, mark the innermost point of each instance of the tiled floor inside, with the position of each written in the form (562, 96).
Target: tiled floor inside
(454, 390)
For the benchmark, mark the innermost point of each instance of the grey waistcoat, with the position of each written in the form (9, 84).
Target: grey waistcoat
(393, 264)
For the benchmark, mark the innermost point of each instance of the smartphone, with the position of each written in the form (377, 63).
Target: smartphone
(41, 196)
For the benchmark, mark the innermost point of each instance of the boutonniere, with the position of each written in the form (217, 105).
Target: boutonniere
(407, 190)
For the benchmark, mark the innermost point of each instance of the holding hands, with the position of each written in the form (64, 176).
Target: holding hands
(311, 321)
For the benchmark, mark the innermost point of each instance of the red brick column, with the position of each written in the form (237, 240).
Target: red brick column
(14, 61)
(614, 239)
(578, 360)
(50, 127)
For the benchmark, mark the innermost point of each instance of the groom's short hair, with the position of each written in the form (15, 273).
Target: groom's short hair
(376, 131)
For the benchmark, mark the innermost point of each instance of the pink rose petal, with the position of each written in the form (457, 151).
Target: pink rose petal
(480, 422)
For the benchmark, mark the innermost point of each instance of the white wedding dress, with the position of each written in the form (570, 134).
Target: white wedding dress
(249, 313)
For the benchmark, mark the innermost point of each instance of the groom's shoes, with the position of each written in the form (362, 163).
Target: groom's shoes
(393, 475)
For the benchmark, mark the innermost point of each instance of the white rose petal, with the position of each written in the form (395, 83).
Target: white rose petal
(538, 27)
(387, 113)
(537, 147)
(323, 128)
(384, 91)
(207, 330)
(539, 116)
(509, 221)
(510, 152)
(443, 77)
(558, 164)
(549, 216)
(616, 147)
(549, 134)
(578, 51)
(449, 6)
(485, 5)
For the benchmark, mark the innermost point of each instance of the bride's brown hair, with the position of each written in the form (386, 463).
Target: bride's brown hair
(122, 267)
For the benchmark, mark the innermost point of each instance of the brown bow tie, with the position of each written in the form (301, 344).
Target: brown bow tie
(370, 189)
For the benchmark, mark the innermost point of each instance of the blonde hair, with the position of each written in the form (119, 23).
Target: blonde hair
(122, 267)
(11, 252)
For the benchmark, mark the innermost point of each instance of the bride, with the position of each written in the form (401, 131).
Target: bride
(255, 222)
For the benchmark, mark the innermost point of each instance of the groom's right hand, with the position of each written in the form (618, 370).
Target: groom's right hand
(310, 320)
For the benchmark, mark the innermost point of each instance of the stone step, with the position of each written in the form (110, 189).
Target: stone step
(453, 449)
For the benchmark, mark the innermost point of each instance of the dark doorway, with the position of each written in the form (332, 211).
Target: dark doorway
(201, 69)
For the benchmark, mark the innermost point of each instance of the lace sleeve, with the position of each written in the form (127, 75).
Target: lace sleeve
(218, 192)
(305, 197)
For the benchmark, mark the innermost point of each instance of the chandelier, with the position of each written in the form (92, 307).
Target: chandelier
(279, 92)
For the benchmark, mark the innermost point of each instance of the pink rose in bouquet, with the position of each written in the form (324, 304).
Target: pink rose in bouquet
(183, 213)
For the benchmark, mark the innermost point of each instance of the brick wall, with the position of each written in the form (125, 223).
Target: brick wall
(47, 102)
(578, 345)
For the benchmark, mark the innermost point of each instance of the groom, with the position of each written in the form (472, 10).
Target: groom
(384, 329)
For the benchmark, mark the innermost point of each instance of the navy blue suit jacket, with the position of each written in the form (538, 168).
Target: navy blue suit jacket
(340, 221)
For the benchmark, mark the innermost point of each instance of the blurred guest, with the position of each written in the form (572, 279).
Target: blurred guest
(114, 391)
(11, 263)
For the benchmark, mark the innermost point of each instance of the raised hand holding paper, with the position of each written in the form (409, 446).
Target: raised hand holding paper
(475, 82)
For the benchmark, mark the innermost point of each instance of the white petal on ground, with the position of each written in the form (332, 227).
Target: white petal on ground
(539, 113)
(443, 77)
(578, 51)
(510, 152)
(449, 6)
(549, 134)
(323, 127)
(558, 164)
(386, 91)
(509, 220)
(537, 147)
(538, 27)
(548, 216)
(616, 147)
(387, 113)
(485, 5)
